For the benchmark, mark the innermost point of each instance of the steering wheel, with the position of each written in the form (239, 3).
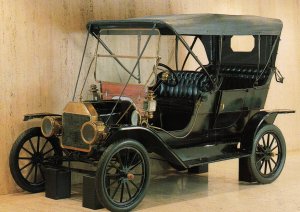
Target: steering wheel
(173, 81)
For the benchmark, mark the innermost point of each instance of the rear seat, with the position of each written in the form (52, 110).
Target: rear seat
(238, 77)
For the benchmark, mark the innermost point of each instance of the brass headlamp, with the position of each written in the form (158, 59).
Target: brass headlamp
(51, 126)
(93, 131)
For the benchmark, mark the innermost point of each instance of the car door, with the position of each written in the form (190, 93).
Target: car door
(230, 108)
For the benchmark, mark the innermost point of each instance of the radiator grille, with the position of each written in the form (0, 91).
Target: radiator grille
(71, 130)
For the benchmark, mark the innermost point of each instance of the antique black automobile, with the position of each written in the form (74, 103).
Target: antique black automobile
(152, 93)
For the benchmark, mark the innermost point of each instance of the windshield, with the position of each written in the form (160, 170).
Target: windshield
(124, 53)
(122, 56)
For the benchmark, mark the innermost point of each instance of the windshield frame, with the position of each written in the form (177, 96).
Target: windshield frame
(179, 38)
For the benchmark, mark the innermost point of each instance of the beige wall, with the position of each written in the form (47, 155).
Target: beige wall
(41, 43)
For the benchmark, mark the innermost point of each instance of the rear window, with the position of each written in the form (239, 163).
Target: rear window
(243, 43)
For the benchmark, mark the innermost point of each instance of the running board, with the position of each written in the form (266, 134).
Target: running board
(226, 156)
(203, 154)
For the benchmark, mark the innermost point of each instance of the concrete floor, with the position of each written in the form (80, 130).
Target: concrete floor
(219, 190)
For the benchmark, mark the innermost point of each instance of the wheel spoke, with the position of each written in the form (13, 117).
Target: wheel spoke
(42, 149)
(48, 151)
(260, 159)
(26, 150)
(25, 158)
(128, 190)
(122, 192)
(38, 144)
(270, 167)
(265, 171)
(32, 147)
(275, 162)
(29, 172)
(126, 157)
(274, 148)
(261, 165)
(268, 139)
(260, 147)
(28, 164)
(133, 158)
(114, 194)
(272, 142)
(134, 184)
(138, 163)
(264, 142)
(120, 159)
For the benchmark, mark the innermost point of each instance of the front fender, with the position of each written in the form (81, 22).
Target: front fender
(28, 117)
(255, 123)
(149, 139)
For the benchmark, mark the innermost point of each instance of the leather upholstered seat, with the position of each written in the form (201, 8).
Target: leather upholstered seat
(175, 104)
(237, 77)
(190, 85)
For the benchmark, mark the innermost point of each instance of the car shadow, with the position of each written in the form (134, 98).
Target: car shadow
(169, 186)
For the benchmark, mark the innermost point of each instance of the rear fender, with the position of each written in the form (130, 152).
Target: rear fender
(150, 140)
(255, 123)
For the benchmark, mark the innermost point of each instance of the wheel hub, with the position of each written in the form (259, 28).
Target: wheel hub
(126, 175)
(130, 176)
(268, 154)
(37, 158)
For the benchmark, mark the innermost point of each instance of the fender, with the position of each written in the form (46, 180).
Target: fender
(151, 141)
(28, 117)
(255, 123)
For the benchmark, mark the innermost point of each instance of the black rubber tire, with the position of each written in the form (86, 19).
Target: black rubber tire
(265, 160)
(15, 169)
(101, 180)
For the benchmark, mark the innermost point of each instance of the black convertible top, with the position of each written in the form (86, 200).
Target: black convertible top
(196, 24)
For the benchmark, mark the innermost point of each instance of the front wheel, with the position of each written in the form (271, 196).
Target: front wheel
(123, 175)
(268, 155)
(30, 152)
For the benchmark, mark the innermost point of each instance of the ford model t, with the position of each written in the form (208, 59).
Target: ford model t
(178, 86)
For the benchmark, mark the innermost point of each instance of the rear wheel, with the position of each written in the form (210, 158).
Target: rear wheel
(268, 155)
(123, 175)
(30, 152)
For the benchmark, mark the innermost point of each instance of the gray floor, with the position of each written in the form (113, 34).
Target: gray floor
(218, 190)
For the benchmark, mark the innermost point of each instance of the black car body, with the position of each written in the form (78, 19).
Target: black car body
(188, 117)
